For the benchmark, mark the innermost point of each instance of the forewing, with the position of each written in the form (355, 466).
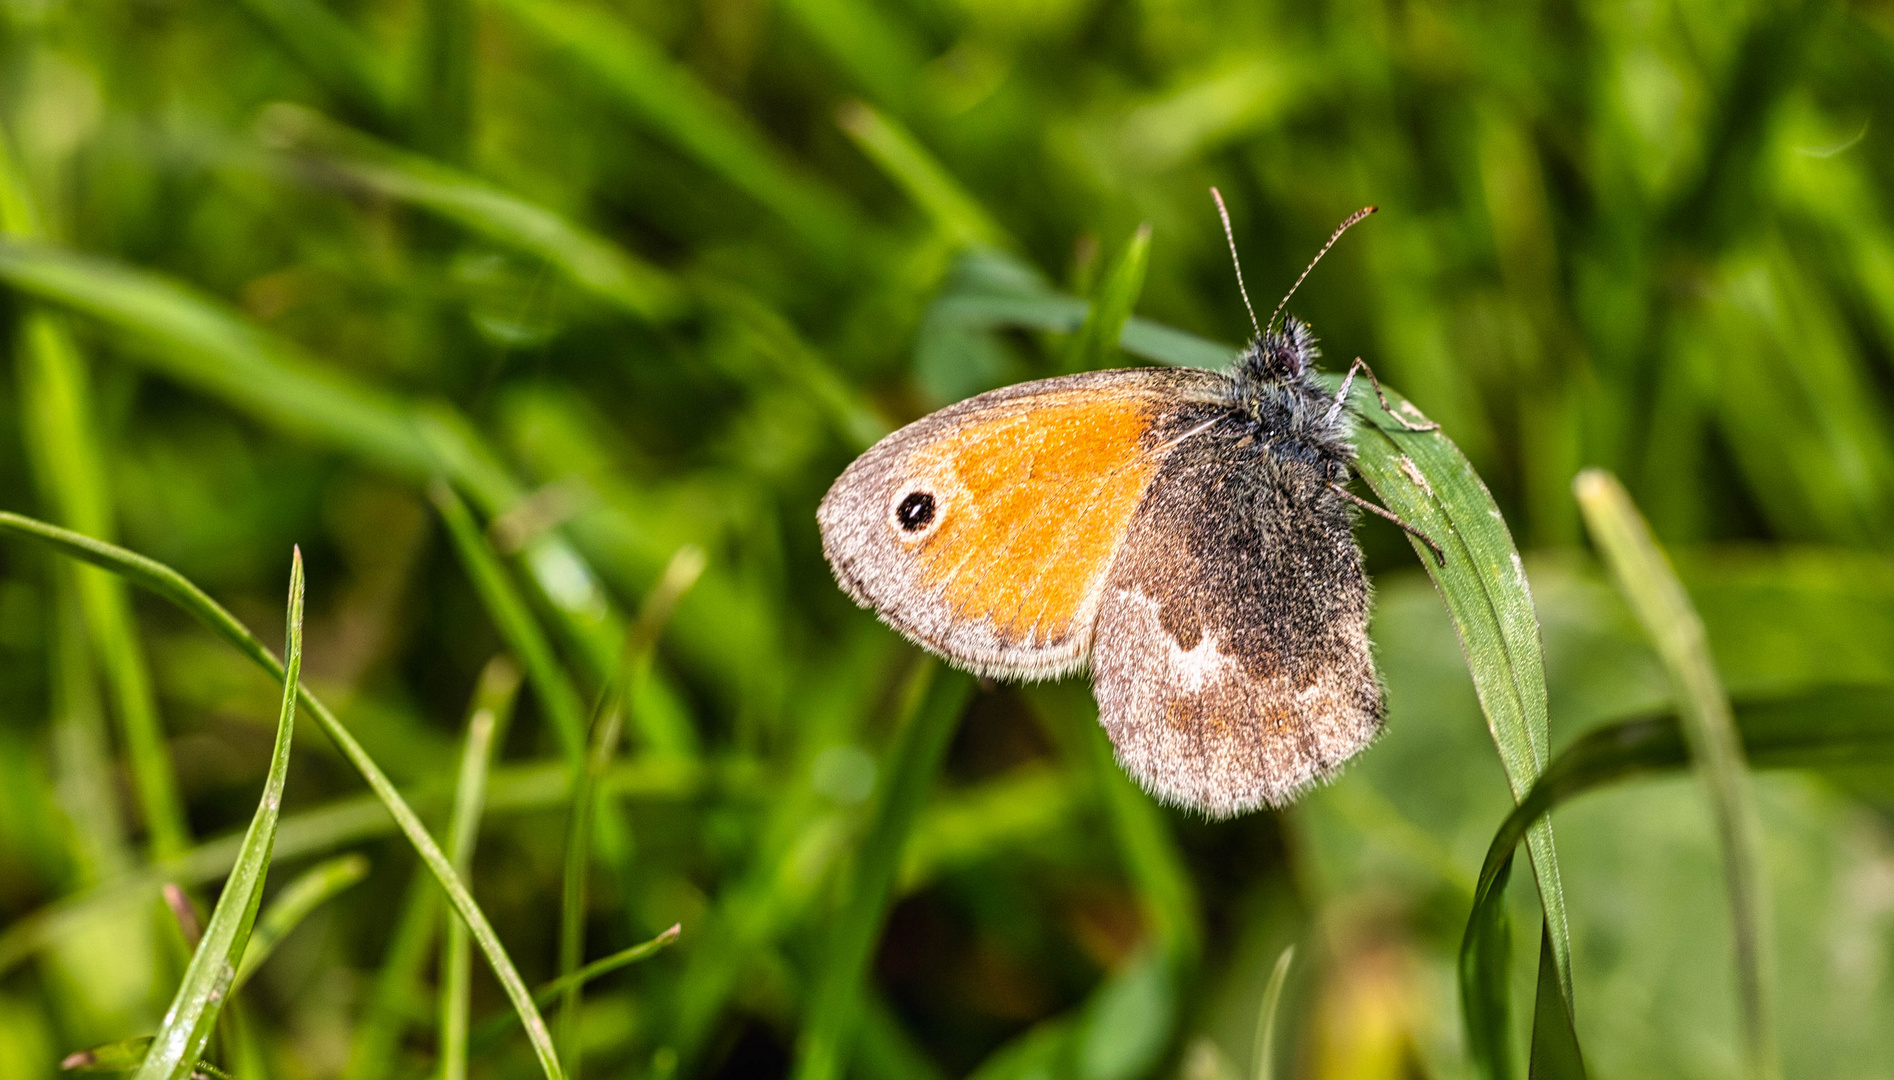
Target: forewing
(1231, 657)
(1032, 488)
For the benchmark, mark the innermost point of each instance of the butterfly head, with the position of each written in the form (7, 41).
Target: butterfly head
(1284, 352)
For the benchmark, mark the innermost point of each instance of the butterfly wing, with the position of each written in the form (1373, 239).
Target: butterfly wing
(1231, 659)
(985, 531)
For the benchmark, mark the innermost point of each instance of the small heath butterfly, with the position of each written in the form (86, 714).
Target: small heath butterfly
(1186, 532)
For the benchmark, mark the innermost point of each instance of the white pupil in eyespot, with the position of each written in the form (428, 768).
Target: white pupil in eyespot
(915, 511)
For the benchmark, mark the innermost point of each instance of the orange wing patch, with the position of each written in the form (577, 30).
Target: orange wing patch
(1034, 504)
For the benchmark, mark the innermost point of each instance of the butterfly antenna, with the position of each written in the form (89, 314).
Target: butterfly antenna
(1230, 235)
(1337, 235)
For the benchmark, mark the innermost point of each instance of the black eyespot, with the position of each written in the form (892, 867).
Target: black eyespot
(915, 511)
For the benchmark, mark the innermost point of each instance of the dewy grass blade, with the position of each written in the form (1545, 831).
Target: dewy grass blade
(1096, 343)
(1648, 582)
(912, 764)
(173, 586)
(309, 891)
(486, 729)
(200, 998)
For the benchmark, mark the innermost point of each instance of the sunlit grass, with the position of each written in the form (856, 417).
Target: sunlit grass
(541, 328)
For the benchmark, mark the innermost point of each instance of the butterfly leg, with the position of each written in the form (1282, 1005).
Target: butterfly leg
(1440, 557)
(1341, 397)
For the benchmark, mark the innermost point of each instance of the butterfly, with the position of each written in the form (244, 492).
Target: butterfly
(1187, 533)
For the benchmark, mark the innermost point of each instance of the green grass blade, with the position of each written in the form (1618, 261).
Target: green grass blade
(593, 263)
(206, 345)
(1486, 959)
(913, 762)
(491, 1032)
(1648, 582)
(440, 105)
(605, 965)
(1423, 478)
(201, 343)
(682, 572)
(1829, 728)
(308, 891)
(124, 1056)
(200, 997)
(880, 54)
(1096, 344)
(955, 211)
(1555, 1054)
(514, 620)
(57, 412)
(1018, 298)
(623, 63)
(396, 996)
(1266, 1015)
(486, 729)
(330, 50)
(172, 586)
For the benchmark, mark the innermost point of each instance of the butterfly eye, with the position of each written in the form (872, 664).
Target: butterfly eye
(915, 511)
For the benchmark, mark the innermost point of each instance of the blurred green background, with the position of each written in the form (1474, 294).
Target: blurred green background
(640, 278)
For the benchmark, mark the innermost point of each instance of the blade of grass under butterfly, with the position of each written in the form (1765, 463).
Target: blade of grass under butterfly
(1647, 580)
(1827, 728)
(1423, 478)
(486, 729)
(920, 746)
(1096, 344)
(303, 895)
(595, 264)
(200, 998)
(174, 587)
